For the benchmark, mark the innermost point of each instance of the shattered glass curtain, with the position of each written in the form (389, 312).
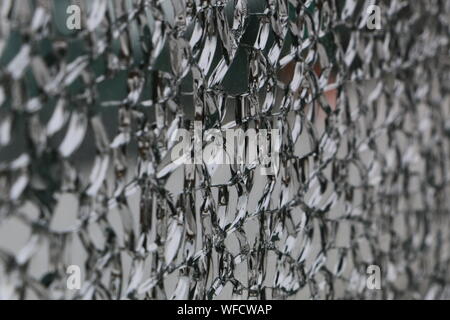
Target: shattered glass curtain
(88, 119)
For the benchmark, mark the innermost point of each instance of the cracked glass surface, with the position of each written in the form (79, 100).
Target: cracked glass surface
(88, 119)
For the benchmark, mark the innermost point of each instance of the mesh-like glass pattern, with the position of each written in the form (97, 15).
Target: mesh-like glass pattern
(88, 119)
